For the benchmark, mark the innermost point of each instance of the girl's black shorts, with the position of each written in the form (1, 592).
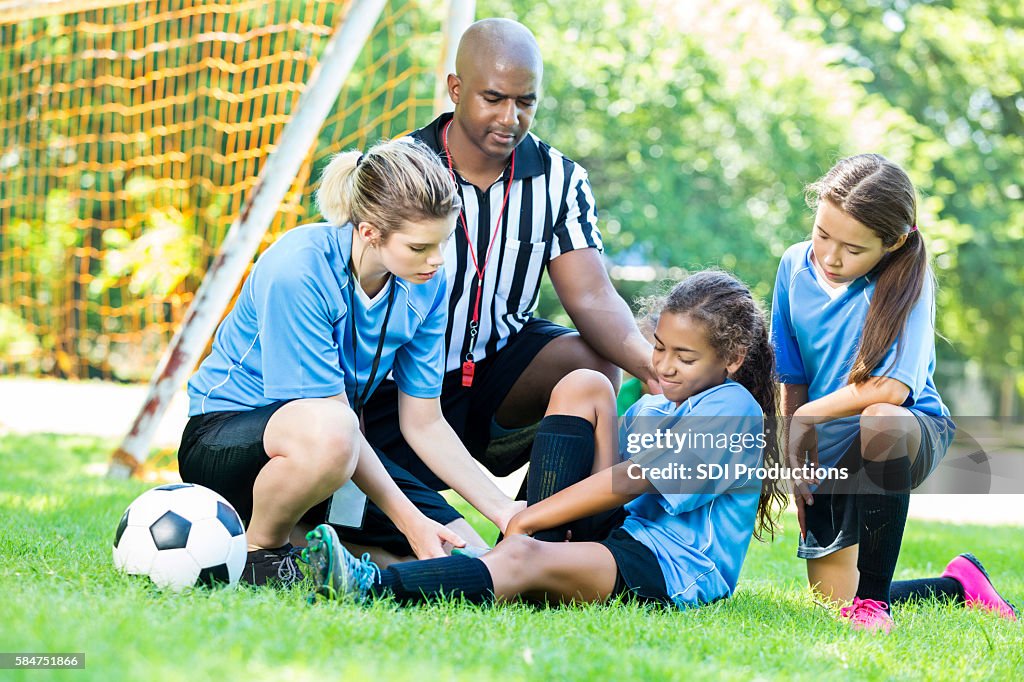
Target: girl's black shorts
(832, 521)
(639, 575)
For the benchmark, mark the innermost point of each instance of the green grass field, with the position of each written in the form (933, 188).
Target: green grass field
(62, 594)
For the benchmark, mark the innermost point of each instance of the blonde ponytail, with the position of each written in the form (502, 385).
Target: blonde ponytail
(393, 182)
(334, 196)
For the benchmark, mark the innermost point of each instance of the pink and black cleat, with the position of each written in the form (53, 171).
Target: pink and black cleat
(868, 615)
(978, 589)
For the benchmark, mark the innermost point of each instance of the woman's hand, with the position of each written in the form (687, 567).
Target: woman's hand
(507, 513)
(427, 538)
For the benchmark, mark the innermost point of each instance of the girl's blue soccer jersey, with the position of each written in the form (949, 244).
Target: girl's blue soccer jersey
(816, 331)
(816, 336)
(289, 334)
(700, 535)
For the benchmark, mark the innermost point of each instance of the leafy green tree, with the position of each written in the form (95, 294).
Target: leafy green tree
(954, 66)
(700, 123)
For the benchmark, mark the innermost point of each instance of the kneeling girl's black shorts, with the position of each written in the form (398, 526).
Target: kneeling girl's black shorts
(832, 522)
(639, 576)
(224, 452)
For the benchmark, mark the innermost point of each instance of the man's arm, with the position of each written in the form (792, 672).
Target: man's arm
(602, 318)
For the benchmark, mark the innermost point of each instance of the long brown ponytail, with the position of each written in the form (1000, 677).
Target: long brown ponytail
(878, 194)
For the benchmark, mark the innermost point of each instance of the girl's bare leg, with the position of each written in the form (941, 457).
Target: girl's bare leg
(834, 577)
(556, 571)
(887, 432)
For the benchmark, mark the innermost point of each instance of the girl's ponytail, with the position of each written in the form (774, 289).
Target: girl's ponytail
(899, 285)
(757, 375)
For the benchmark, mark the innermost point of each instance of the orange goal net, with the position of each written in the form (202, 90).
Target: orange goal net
(130, 134)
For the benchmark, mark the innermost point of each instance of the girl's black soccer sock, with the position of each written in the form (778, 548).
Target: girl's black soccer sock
(563, 454)
(927, 588)
(451, 576)
(882, 519)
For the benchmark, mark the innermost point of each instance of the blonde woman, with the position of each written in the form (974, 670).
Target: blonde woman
(327, 312)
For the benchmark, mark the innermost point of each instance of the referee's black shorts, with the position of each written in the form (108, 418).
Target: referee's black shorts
(470, 411)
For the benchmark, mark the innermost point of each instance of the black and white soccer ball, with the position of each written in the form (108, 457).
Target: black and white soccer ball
(181, 535)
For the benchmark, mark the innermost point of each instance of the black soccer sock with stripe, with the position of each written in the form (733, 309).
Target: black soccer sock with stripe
(563, 454)
(451, 576)
(882, 519)
(948, 589)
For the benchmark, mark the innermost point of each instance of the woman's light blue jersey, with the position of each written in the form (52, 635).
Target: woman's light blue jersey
(289, 334)
(700, 535)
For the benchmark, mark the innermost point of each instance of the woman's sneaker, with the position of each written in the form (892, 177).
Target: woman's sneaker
(278, 565)
(978, 589)
(335, 571)
(868, 615)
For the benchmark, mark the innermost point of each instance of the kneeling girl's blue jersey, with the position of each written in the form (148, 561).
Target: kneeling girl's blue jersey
(700, 526)
(816, 330)
(290, 336)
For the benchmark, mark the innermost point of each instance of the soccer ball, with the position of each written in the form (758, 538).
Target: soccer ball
(181, 535)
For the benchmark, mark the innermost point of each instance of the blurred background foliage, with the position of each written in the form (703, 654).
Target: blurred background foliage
(700, 123)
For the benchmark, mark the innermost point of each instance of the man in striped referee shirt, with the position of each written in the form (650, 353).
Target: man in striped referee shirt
(527, 208)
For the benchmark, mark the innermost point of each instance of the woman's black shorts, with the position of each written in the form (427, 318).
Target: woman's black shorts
(224, 452)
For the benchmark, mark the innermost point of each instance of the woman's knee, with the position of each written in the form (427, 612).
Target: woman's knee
(323, 434)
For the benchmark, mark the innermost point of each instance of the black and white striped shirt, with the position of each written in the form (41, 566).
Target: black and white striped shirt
(550, 211)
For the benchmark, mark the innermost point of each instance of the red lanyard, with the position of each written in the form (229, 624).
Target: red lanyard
(469, 365)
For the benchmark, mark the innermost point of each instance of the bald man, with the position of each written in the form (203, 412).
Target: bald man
(527, 208)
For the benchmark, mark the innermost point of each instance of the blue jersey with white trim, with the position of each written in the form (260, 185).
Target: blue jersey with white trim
(700, 537)
(289, 334)
(816, 331)
(816, 336)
